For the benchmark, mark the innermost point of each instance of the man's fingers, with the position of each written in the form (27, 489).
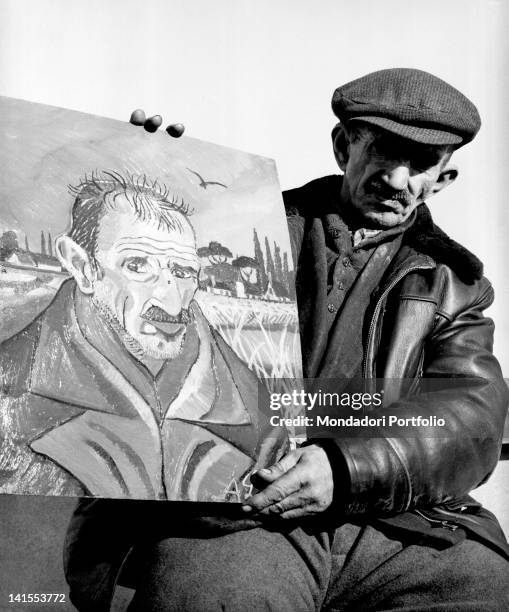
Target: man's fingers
(299, 499)
(152, 123)
(294, 514)
(138, 117)
(176, 130)
(300, 484)
(275, 492)
(271, 473)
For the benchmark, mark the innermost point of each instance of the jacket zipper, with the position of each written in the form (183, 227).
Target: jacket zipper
(444, 524)
(376, 313)
(378, 306)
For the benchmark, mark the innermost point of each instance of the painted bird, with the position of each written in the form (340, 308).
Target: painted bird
(204, 183)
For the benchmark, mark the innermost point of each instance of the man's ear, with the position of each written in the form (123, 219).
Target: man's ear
(77, 262)
(340, 142)
(447, 176)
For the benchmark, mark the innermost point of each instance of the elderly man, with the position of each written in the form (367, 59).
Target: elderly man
(120, 388)
(365, 523)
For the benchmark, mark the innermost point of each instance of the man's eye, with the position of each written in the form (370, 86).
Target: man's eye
(383, 149)
(424, 161)
(137, 265)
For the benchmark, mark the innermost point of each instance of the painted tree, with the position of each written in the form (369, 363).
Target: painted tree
(248, 268)
(278, 264)
(285, 270)
(220, 272)
(50, 244)
(43, 243)
(8, 244)
(270, 261)
(289, 276)
(216, 253)
(27, 247)
(258, 255)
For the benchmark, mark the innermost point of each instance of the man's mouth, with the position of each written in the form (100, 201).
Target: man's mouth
(389, 205)
(389, 198)
(158, 319)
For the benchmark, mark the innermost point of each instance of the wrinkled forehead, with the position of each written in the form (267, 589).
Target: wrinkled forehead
(121, 231)
(391, 144)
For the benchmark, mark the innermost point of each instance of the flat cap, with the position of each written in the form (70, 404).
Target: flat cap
(410, 103)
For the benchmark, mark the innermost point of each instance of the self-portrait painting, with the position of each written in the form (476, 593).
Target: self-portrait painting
(146, 306)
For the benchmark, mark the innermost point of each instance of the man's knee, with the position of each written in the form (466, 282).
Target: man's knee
(474, 568)
(255, 598)
(253, 570)
(381, 572)
(466, 576)
(223, 595)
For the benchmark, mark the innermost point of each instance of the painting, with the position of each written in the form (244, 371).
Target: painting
(147, 306)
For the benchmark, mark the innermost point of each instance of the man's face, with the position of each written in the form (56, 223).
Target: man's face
(387, 177)
(149, 278)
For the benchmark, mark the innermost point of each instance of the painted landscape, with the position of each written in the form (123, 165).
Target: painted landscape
(254, 314)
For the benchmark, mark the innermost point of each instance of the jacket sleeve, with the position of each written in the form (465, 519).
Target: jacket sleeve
(390, 474)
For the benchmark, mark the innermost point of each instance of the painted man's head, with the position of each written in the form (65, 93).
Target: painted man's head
(132, 249)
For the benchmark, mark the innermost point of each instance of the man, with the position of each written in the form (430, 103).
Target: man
(120, 388)
(372, 523)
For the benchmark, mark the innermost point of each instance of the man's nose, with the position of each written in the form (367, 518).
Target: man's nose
(169, 291)
(397, 175)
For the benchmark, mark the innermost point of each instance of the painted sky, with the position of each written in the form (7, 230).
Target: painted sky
(45, 149)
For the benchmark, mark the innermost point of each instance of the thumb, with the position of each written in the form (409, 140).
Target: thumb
(273, 472)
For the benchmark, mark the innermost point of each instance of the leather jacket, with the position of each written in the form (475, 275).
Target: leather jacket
(425, 321)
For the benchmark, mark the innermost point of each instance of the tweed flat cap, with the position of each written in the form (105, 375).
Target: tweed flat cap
(410, 103)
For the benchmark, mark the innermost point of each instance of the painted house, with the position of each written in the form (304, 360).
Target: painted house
(27, 259)
(21, 258)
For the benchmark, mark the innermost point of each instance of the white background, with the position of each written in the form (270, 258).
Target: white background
(259, 74)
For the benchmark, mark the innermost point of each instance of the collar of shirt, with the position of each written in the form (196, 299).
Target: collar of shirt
(363, 234)
(336, 231)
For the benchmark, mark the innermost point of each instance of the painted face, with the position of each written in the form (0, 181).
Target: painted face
(387, 177)
(149, 278)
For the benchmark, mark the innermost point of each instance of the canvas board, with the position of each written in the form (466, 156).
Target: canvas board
(138, 335)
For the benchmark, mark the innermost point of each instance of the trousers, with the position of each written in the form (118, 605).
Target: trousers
(352, 568)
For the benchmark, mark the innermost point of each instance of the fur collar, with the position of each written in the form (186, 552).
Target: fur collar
(321, 197)
(426, 237)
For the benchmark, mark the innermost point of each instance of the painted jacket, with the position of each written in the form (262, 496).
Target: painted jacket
(73, 423)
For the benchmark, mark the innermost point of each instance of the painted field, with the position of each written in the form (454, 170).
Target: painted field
(264, 335)
(23, 295)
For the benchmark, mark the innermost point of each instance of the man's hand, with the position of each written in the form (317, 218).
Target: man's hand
(300, 484)
(153, 123)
